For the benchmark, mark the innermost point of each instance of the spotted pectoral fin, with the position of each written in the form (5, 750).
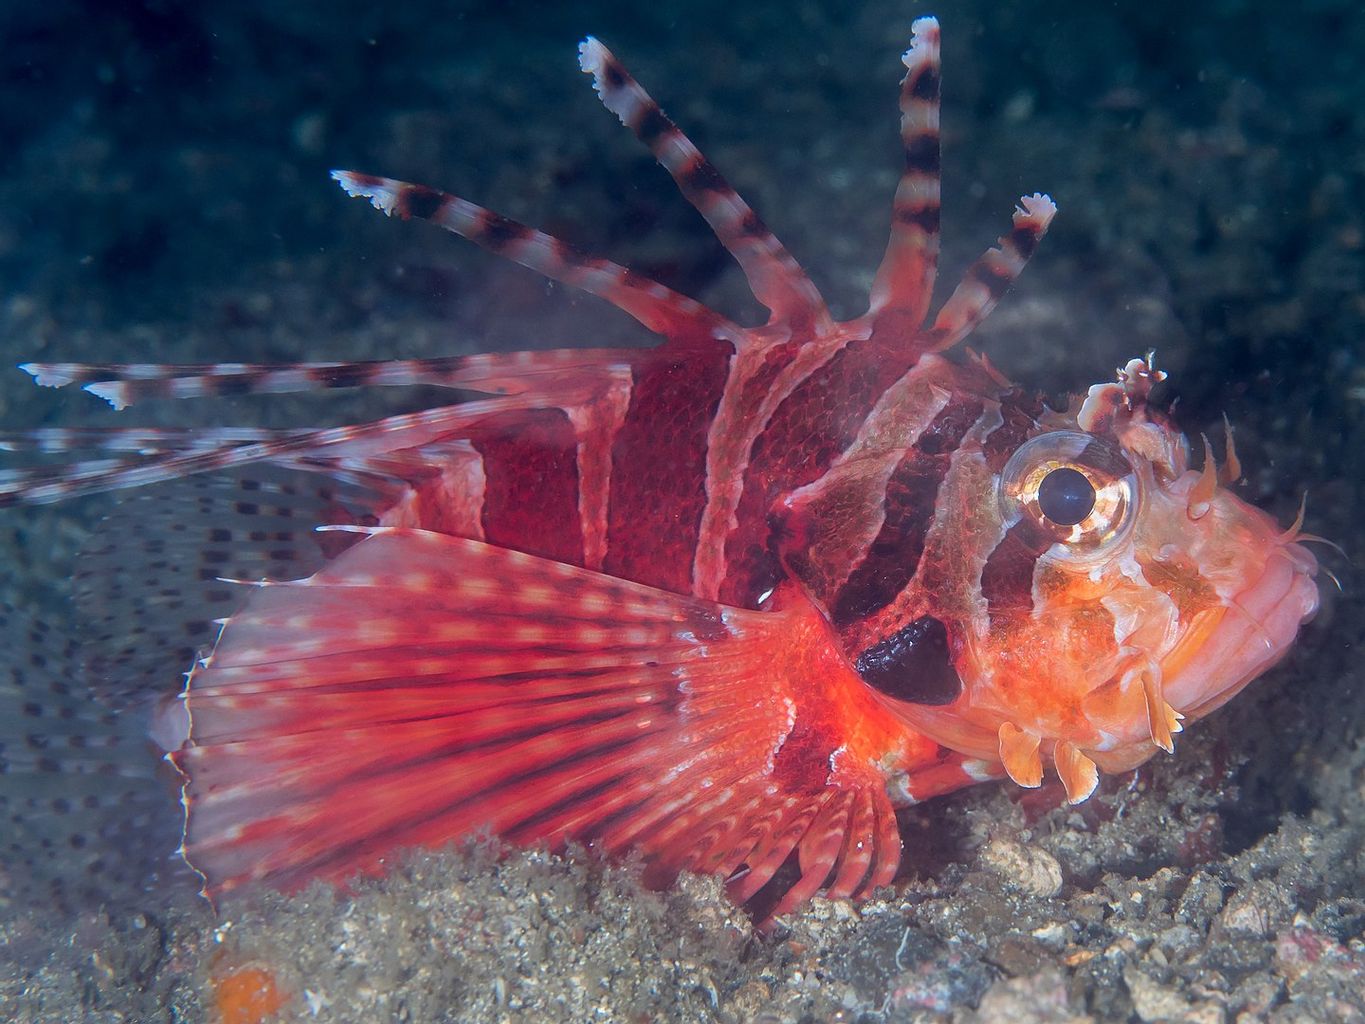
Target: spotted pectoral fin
(421, 687)
(149, 586)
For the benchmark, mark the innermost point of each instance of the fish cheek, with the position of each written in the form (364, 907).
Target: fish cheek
(913, 664)
(1182, 582)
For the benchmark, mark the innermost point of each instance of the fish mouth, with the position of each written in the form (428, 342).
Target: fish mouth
(1254, 631)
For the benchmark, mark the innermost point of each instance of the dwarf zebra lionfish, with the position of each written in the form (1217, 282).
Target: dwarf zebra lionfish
(729, 601)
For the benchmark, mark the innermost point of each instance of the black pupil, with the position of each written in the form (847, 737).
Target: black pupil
(1065, 496)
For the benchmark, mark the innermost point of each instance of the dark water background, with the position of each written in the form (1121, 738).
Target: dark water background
(164, 197)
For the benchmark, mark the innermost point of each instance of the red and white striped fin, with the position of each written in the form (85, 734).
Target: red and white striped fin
(46, 484)
(421, 687)
(143, 440)
(859, 870)
(904, 284)
(382, 476)
(659, 308)
(990, 276)
(775, 278)
(824, 839)
(123, 384)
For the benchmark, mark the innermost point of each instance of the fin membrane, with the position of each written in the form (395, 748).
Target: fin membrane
(421, 687)
(149, 590)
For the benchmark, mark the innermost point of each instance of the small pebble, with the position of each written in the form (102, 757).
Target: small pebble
(1028, 868)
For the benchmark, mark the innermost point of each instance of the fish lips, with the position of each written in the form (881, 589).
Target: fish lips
(1256, 631)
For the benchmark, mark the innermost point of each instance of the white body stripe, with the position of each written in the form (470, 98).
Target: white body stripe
(596, 424)
(737, 424)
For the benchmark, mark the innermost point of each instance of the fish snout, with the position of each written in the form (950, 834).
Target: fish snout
(1256, 630)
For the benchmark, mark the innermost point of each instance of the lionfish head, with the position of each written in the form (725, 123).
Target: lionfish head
(1122, 594)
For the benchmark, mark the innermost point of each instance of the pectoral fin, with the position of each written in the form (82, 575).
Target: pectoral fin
(420, 687)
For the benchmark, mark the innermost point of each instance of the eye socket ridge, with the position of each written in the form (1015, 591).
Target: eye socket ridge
(1072, 488)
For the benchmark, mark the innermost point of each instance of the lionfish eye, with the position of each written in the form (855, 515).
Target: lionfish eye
(1066, 496)
(1070, 487)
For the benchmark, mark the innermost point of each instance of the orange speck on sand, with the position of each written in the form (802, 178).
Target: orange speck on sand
(246, 995)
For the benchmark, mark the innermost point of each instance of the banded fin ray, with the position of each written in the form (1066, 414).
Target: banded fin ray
(904, 284)
(990, 277)
(576, 387)
(123, 384)
(902, 290)
(774, 276)
(657, 307)
(142, 440)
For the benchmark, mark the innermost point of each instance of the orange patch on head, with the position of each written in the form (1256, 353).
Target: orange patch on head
(246, 995)
(1181, 583)
(1095, 623)
(1057, 585)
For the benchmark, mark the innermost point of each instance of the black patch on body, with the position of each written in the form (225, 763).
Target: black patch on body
(914, 664)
